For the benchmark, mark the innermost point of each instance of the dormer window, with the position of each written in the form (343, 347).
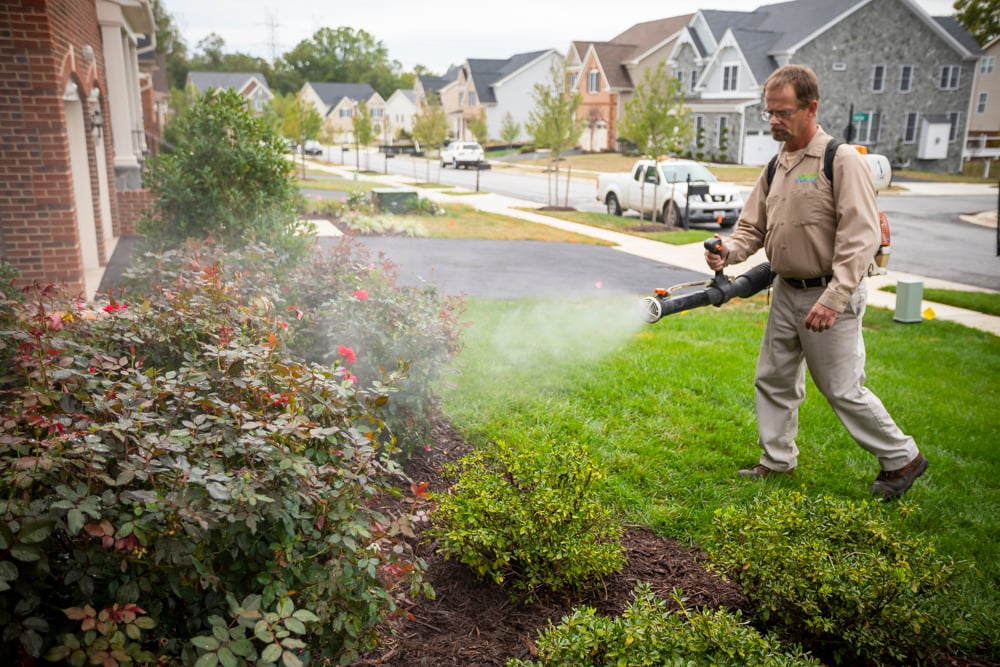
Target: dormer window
(593, 84)
(730, 74)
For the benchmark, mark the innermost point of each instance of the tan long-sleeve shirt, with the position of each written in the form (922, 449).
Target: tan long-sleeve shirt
(808, 229)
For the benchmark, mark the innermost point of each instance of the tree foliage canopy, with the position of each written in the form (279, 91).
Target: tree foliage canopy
(344, 55)
(980, 17)
(430, 125)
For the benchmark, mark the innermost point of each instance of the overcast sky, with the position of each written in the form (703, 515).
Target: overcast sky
(434, 33)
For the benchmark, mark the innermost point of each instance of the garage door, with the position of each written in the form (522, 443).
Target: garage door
(758, 148)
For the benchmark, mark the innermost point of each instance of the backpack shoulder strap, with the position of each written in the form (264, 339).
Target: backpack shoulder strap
(831, 152)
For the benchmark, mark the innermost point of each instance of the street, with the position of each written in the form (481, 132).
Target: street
(928, 236)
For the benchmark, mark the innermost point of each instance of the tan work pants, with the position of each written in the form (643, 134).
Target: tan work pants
(836, 362)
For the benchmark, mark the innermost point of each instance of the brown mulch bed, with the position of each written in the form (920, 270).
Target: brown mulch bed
(474, 623)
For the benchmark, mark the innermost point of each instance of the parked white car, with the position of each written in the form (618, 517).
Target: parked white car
(462, 154)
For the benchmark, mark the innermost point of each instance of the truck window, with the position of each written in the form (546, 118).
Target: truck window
(651, 175)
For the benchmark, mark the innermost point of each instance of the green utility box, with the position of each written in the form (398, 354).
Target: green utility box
(909, 294)
(394, 200)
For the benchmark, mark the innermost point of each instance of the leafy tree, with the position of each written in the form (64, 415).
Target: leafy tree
(295, 119)
(170, 43)
(347, 56)
(552, 122)
(478, 127)
(363, 131)
(430, 125)
(980, 17)
(228, 179)
(655, 119)
(509, 129)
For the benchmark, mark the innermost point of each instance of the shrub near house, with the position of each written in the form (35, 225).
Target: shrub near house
(182, 485)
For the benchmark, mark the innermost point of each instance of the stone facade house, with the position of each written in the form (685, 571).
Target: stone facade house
(72, 135)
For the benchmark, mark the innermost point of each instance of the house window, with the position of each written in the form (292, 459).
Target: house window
(376, 114)
(950, 75)
(694, 79)
(878, 78)
(472, 99)
(729, 76)
(905, 78)
(345, 112)
(910, 133)
(981, 104)
(461, 98)
(699, 129)
(987, 64)
(593, 85)
(723, 125)
(574, 78)
(953, 121)
(868, 130)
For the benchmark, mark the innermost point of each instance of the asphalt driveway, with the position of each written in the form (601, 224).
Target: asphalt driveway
(498, 269)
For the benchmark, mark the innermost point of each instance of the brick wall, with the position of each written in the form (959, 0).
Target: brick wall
(41, 44)
(131, 204)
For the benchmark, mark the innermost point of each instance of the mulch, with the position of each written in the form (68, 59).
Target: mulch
(474, 623)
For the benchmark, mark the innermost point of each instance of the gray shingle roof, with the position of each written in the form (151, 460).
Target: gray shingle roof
(486, 72)
(332, 93)
(959, 33)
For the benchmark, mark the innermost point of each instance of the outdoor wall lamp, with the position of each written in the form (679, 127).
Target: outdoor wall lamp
(97, 122)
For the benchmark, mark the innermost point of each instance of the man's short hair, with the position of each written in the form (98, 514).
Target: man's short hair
(802, 80)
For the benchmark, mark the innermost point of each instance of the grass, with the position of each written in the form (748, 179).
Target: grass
(338, 184)
(667, 411)
(465, 222)
(981, 302)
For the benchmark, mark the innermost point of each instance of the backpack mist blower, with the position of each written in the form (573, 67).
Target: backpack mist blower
(715, 292)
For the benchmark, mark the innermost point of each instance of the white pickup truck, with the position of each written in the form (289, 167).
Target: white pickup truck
(677, 192)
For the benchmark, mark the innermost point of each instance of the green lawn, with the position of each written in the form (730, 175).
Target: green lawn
(982, 302)
(667, 410)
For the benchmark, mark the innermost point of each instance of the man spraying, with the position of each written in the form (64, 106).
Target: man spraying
(820, 235)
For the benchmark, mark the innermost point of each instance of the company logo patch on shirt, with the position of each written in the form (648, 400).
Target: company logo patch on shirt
(807, 178)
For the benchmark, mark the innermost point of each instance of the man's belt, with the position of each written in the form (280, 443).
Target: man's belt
(803, 283)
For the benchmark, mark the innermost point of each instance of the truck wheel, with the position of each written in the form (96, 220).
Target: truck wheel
(614, 208)
(671, 214)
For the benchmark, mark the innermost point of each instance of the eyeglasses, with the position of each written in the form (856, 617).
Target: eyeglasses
(783, 114)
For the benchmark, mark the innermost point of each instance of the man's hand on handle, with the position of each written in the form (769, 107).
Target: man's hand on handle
(716, 253)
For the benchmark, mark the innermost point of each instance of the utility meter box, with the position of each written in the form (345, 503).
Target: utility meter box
(394, 200)
(909, 295)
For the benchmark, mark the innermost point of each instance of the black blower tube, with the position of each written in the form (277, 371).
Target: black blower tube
(715, 294)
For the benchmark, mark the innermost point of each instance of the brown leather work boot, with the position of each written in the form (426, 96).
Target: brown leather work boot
(760, 471)
(894, 483)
